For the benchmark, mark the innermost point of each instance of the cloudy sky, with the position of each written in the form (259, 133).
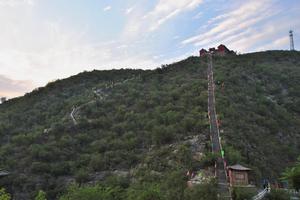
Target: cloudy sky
(44, 40)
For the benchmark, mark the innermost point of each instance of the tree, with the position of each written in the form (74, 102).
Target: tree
(184, 156)
(201, 192)
(41, 195)
(292, 175)
(82, 176)
(146, 191)
(232, 155)
(239, 193)
(278, 195)
(4, 195)
(96, 192)
(174, 185)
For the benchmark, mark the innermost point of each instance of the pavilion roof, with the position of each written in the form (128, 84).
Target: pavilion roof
(239, 167)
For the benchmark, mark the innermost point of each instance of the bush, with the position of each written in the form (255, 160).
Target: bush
(41, 195)
(184, 156)
(201, 192)
(278, 195)
(4, 195)
(240, 193)
(82, 176)
(293, 175)
(174, 185)
(232, 155)
(92, 193)
(145, 192)
(209, 160)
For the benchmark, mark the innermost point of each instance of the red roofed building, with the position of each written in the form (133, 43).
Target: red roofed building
(212, 50)
(222, 50)
(202, 52)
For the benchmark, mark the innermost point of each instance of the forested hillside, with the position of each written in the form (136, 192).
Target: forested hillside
(139, 112)
(134, 128)
(259, 106)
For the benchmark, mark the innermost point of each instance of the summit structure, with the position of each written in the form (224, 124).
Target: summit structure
(221, 50)
(292, 48)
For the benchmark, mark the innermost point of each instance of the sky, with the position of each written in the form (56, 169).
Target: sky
(45, 40)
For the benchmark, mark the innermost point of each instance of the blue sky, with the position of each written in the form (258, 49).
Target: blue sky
(43, 40)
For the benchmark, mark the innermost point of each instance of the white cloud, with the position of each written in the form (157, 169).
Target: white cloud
(55, 52)
(13, 3)
(167, 9)
(11, 88)
(267, 34)
(107, 8)
(198, 15)
(277, 44)
(38, 50)
(176, 37)
(246, 27)
(243, 17)
(158, 56)
(129, 10)
(164, 11)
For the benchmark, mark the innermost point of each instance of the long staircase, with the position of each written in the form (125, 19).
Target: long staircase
(220, 168)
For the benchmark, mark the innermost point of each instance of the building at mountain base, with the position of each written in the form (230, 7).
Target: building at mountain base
(238, 175)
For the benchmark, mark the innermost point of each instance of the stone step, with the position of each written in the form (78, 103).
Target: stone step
(223, 184)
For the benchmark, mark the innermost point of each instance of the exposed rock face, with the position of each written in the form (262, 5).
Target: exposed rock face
(198, 143)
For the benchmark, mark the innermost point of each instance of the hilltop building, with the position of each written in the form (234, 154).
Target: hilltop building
(203, 52)
(222, 50)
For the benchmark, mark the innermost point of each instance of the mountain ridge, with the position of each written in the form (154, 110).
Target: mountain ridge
(40, 144)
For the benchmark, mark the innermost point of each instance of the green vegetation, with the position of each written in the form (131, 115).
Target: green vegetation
(133, 127)
(233, 156)
(92, 193)
(173, 188)
(41, 195)
(258, 101)
(292, 175)
(201, 192)
(4, 195)
(243, 193)
(129, 129)
(278, 195)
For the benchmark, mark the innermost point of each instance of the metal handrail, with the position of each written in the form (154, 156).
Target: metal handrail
(262, 194)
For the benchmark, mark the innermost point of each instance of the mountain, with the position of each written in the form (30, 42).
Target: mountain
(124, 127)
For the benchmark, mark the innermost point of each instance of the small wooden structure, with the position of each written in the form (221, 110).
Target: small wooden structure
(238, 175)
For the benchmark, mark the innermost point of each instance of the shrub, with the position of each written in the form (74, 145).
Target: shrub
(82, 176)
(92, 193)
(4, 195)
(240, 193)
(145, 192)
(201, 192)
(41, 195)
(174, 185)
(278, 195)
(209, 159)
(293, 175)
(232, 155)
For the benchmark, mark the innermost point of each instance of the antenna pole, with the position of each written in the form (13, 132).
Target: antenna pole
(292, 48)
